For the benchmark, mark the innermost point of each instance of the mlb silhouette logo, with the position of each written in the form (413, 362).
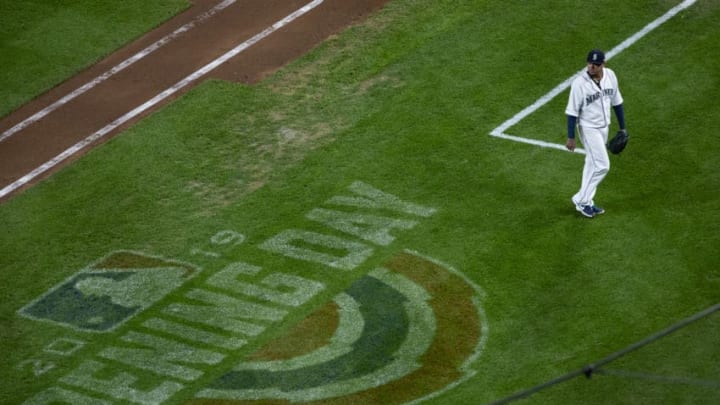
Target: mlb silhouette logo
(108, 293)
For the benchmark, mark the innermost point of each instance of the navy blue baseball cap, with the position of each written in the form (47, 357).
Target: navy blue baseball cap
(596, 56)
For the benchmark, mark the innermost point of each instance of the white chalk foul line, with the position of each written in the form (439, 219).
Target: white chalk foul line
(500, 131)
(157, 99)
(120, 67)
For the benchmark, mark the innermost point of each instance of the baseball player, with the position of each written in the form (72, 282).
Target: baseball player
(592, 93)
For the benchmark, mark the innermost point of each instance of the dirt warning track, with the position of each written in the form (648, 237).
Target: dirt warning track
(238, 40)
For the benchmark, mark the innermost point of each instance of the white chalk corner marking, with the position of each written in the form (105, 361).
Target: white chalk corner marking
(535, 142)
(500, 131)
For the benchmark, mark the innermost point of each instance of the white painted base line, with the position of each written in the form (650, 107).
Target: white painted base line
(120, 67)
(500, 131)
(157, 99)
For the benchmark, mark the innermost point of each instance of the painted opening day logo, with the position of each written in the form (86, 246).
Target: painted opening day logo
(104, 295)
(401, 332)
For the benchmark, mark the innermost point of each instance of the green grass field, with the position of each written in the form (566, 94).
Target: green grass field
(403, 103)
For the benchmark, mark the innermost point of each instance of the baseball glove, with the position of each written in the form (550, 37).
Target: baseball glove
(618, 142)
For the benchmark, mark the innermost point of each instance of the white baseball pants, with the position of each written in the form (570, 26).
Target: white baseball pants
(597, 163)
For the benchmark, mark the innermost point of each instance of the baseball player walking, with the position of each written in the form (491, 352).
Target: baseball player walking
(591, 96)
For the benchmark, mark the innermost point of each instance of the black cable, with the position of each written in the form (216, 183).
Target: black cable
(589, 369)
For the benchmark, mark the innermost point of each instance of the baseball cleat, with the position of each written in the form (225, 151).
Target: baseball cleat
(586, 210)
(597, 210)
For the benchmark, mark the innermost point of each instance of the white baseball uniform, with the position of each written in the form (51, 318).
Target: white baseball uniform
(590, 102)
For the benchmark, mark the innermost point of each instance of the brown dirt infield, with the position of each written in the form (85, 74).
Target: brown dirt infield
(208, 39)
